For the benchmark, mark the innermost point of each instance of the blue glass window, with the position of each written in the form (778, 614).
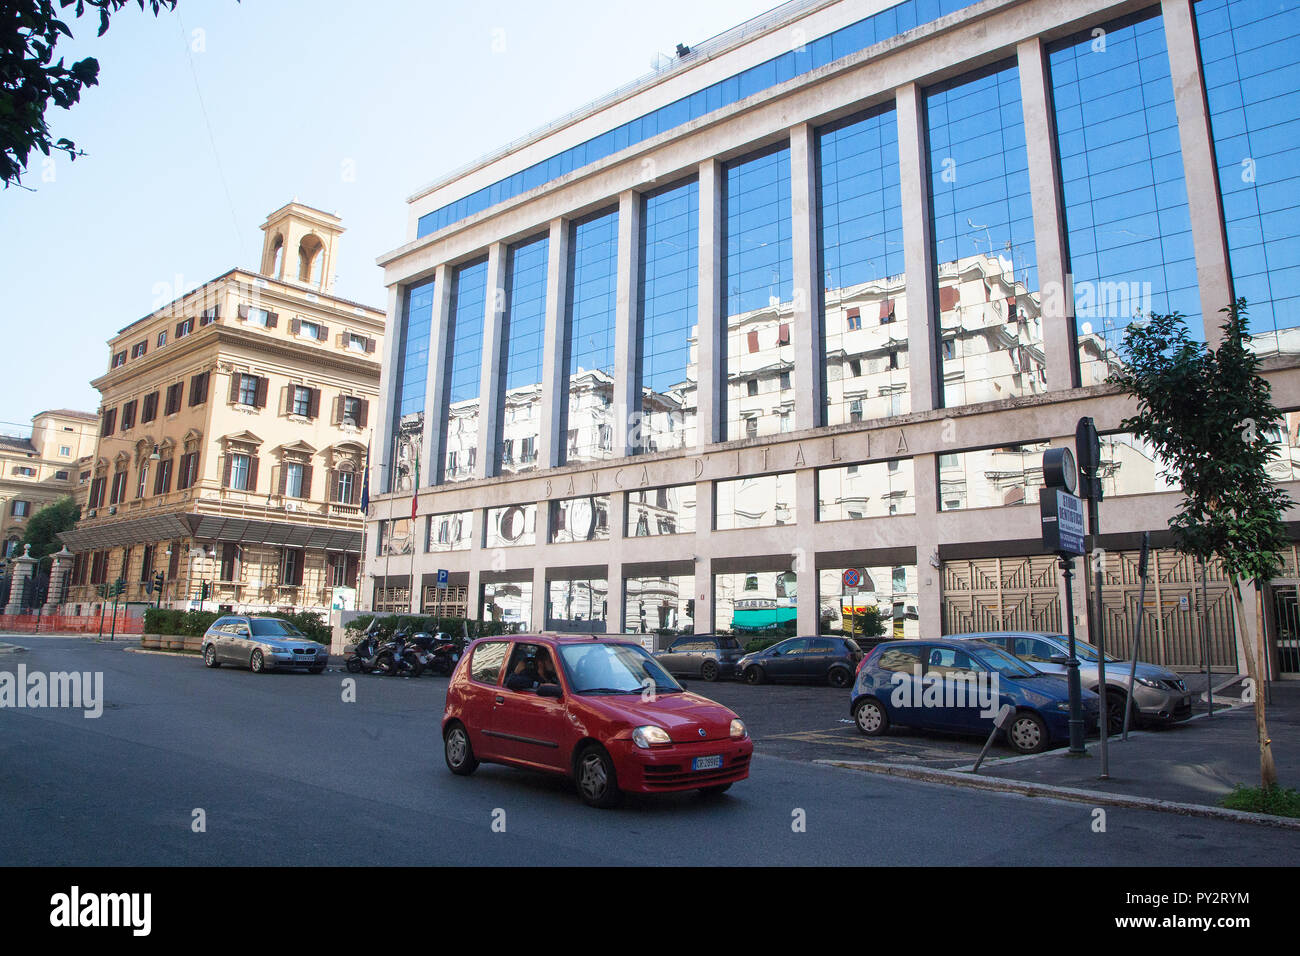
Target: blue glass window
(1126, 217)
(990, 327)
(588, 425)
(525, 332)
(413, 361)
(840, 43)
(864, 310)
(464, 371)
(667, 387)
(758, 293)
(1250, 55)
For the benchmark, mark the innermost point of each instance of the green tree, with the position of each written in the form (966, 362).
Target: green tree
(31, 79)
(1211, 418)
(43, 530)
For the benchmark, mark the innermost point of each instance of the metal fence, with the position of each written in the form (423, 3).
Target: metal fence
(71, 624)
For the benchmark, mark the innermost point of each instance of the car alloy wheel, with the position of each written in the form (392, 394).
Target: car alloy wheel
(1027, 734)
(257, 663)
(839, 677)
(459, 754)
(1115, 702)
(596, 780)
(709, 671)
(754, 675)
(210, 656)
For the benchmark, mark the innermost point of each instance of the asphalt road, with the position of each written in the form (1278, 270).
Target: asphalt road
(286, 772)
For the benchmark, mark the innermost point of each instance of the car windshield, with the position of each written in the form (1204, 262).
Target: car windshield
(597, 668)
(273, 627)
(1005, 664)
(1086, 651)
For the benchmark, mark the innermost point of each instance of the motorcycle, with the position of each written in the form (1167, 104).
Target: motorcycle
(362, 658)
(446, 654)
(395, 659)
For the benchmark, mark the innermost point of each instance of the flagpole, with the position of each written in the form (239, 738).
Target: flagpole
(365, 515)
(392, 488)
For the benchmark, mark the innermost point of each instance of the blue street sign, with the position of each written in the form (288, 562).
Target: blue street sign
(442, 578)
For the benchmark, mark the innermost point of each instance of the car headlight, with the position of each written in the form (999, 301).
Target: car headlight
(1149, 682)
(1063, 705)
(737, 729)
(647, 736)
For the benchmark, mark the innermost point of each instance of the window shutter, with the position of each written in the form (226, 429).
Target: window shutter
(252, 473)
(284, 478)
(295, 326)
(332, 486)
(370, 346)
(783, 334)
(272, 320)
(234, 387)
(286, 400)
(306, 481)
(259, 399)
(313, 403)
(753, 341)
(167, 476)
(357, 479)
(337, 417)
(341, 340)
(180, 329)
(886, 309)
(948, 298)
(243, 313)
(225, 474)
(324, 333)
(361, 414)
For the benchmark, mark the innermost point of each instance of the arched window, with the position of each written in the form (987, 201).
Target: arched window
(276, 266)
(311, 260)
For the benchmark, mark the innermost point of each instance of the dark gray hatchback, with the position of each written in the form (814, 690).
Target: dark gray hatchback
(708, 656)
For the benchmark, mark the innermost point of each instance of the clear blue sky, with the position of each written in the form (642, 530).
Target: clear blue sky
(292, 90)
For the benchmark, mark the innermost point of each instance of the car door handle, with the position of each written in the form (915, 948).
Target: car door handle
(501, 700)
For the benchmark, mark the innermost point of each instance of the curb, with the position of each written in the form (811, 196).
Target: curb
(140, 650)
(11, 649)
(1003, 785)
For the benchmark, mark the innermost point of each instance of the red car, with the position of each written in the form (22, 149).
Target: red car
(602, 712)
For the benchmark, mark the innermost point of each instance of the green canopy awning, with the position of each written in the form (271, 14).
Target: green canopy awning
(762, 619)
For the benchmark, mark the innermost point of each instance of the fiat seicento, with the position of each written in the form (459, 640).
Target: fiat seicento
(601, 712)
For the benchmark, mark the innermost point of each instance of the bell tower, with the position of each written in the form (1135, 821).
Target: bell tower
(300, 246)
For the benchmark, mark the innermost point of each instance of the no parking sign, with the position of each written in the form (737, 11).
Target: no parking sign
(852, 580)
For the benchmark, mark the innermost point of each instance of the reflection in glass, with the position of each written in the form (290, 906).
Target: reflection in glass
(669, 300)
(464, 372)
(891, 590)
(580, 519)
(757, 282)
(756, 603)
(991, 477)
(512, 525)
(588, 392)
(1286, 456)
(655, 511)
(413, 374)
(659, 605)
(1250, 53)
(525, 330)
(990, 326)
(450, 532)
(873, 490)
(1130, 466)
(394, 537)
(577, 604)
(1127, 223)
(510, 603)
(864, 302)
(762, 502)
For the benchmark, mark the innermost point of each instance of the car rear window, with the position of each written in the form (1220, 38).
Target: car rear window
(485, 666)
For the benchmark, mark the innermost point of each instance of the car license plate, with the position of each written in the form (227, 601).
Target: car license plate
(706, 763)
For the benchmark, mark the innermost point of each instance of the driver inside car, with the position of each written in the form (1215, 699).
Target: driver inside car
(533, 670)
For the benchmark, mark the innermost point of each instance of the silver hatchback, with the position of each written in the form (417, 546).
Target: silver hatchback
(1159, 695)
(261, 644)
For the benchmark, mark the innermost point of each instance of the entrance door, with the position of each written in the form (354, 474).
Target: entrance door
(1286, 629)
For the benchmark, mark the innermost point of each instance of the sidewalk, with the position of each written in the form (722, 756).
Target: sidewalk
(1189, 765)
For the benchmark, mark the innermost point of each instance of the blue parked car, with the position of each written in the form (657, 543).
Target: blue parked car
(958, 686)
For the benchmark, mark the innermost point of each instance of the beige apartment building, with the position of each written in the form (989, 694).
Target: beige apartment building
(233, 435)
(41, 468)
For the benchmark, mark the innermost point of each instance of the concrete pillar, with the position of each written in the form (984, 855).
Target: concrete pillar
(550, 445)
(929, 579)
(59, 572)
(926, 372)
(435, 405)
(539, 599)
(382, 469)
(804, 559)
(703, 562)
(614, 567)
(1056, 294)
(614, 623)
(489, 425)
(711, 342)
(806, 336)
(24, 566)
(1209, 239)
(626, 321)
(474, 596)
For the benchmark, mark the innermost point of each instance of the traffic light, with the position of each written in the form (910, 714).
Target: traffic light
(203, 591)
(158, 581)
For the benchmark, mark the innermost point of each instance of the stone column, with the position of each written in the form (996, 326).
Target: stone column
(24, 566)
(710, 340)
(929, 579)
(918, 258)
(806, 333)
(435, 407)
(550, 443)
(382, 468)
(489, 403)
(626, 320)
(804, 559)
(59, 572)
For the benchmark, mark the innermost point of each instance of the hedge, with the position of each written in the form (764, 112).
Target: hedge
(196, 623)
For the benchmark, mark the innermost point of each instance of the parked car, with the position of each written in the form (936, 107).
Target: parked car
(602, 712)
(709, 656)
(919, 684)
(1159, 697)
(261, 644)
(829, 660)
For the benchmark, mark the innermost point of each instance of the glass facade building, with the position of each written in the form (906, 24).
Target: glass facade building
(867, 288)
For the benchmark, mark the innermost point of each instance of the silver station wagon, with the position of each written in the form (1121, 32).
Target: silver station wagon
(260, 644)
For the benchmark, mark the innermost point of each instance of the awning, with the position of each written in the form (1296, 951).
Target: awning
(211, 528)
(763, 619)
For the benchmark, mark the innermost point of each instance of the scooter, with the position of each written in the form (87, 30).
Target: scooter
(446, 654)
(362, 658)
(395, 659)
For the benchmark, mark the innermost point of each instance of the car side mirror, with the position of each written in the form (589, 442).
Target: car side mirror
(550, 690)
(1062, 659)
